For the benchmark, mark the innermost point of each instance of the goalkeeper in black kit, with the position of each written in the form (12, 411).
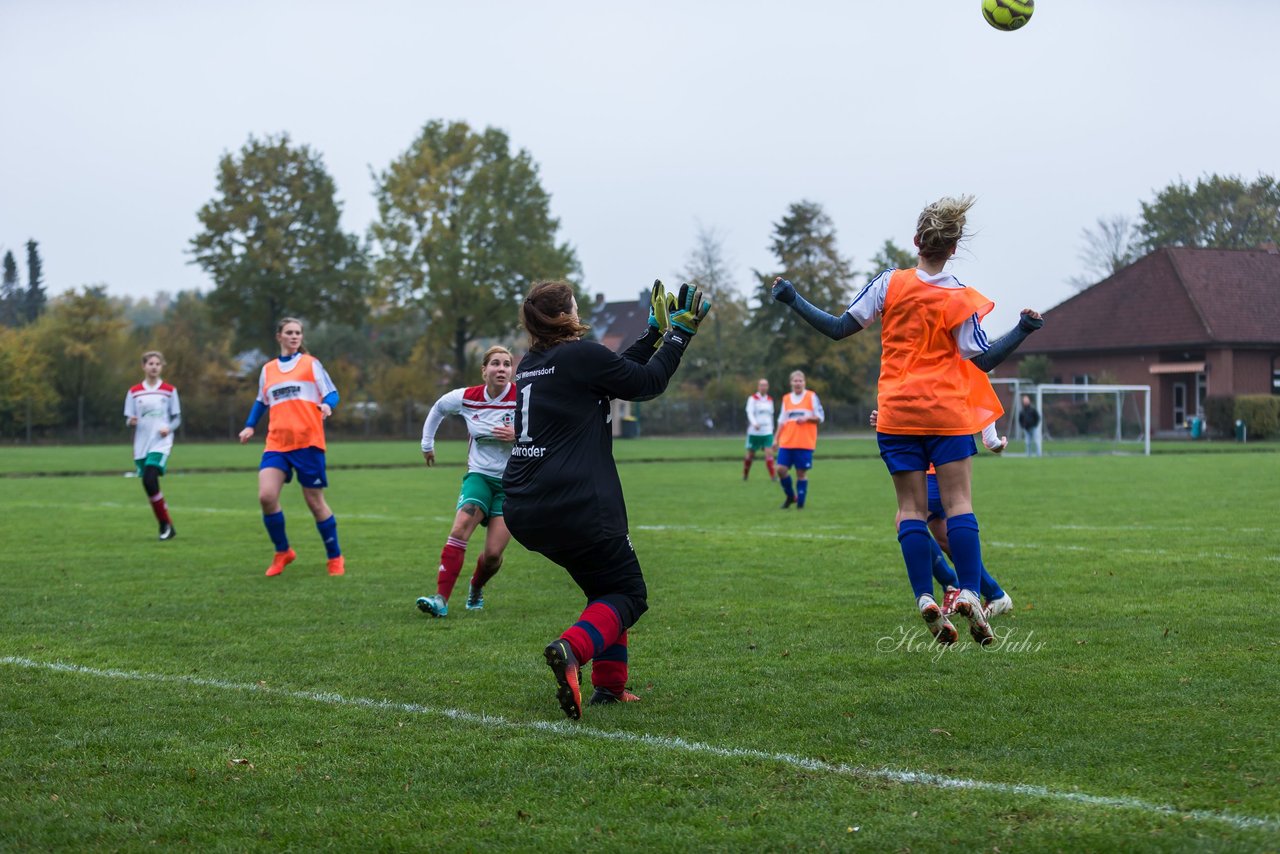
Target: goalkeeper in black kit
(564, 499)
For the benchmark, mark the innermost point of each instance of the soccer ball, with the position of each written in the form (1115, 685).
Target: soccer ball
(1008, 14)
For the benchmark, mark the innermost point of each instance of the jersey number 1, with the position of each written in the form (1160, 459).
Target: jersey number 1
(525, 394)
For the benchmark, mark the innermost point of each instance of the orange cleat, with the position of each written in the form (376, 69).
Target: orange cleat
(565, 668)
(603, 696)
(280, 561)
(337, 566)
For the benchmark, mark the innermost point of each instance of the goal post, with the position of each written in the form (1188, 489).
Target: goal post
(1091, 419)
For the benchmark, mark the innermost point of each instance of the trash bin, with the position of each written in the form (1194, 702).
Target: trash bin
(1197, 428)
(1242, 432)
(631, 428)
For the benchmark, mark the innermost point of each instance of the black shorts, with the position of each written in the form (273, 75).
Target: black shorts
(603, 568)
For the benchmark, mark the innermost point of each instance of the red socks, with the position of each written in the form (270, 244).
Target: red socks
(159, 508)
(451, 558)
(596, 630)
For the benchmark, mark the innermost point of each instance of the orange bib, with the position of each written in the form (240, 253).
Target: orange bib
(294, 401)
(927, 388)
(796, 434)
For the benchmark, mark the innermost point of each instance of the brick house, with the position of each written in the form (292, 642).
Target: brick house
(1188, 322)
(616, 324)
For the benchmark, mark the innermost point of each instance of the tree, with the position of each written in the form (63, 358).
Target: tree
(707, 267)
(10, 297)
(85, 339)
(1038, 369)
(273, 245)
(1222, 213)
(27, 399)
(34, 300)
(464, 229)
(1108, 248)
(197, 352)
(804, 243)
(891, 256)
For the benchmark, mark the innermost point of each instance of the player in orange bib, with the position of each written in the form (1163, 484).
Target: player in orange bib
(299, 395)
(796, 439)
(933, 396)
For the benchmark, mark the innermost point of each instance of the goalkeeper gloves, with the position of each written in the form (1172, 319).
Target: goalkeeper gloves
(691, 307)
(658, 312)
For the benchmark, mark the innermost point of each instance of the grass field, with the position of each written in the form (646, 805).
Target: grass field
(167, 695)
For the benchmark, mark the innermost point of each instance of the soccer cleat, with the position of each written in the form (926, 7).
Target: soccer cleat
(337, 566)
(996, 607)
(787, 504)
(475, 598)
(969, 606)
(564, 667)
(603, 697)
(433, 605)
(938, 624)
(949, 600)
(166, 531)
(280, 561)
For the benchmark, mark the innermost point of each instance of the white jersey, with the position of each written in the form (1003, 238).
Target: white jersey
(759, 415)
(869, 305)
(485, 454)
(155, 407)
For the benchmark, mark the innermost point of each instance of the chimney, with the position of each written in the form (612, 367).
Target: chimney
(1270, 246)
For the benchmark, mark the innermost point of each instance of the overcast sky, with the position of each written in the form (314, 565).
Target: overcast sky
(647, 120)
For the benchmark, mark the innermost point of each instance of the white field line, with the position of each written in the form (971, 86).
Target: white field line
(680, 745)
(808, 533)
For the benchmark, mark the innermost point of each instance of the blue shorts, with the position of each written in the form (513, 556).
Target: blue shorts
(795, 458)
(914, 453)
(935, 498)
(308, 462)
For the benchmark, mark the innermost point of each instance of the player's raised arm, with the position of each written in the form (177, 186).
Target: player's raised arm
(829, 325)
(1029, 321)
(627, 380)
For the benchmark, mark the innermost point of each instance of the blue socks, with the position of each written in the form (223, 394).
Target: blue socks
(328, 529)
(991, 589)
(275, 530)
(913, 536)
(329, 533)
(942, 570)
(802, 489)
(786, 487)
(966, 550)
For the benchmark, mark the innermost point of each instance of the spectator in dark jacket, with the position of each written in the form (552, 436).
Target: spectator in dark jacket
(1029, 419)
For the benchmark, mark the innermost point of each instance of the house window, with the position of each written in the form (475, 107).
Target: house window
(1202, 391)
(1275, 374)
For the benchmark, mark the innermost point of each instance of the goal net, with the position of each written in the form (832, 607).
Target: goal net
(1081, 419)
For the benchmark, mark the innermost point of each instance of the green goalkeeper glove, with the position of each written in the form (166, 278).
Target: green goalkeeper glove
(691, 308)
(659, 316)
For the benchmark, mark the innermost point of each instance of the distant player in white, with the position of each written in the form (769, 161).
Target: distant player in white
(151, 407)
(489, 410)
(759, 428)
